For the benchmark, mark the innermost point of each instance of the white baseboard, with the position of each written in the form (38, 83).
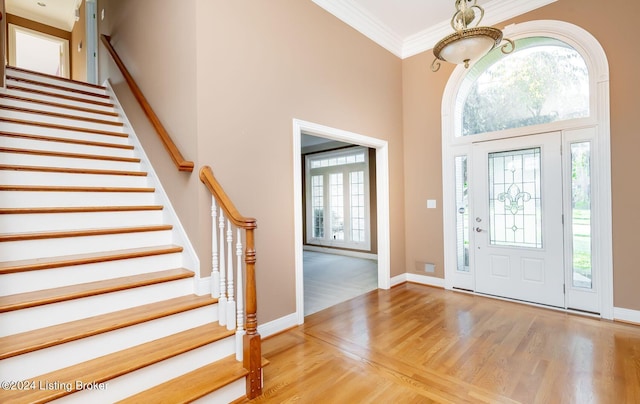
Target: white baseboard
(397, 280)
(626, 315)
(416, 278)
(337, 251)
(278, 325)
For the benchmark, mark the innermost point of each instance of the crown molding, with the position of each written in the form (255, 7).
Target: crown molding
(357, 17)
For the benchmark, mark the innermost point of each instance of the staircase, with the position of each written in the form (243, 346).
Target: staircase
(95, 302)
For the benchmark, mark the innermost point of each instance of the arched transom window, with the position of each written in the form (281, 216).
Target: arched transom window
(544, 80)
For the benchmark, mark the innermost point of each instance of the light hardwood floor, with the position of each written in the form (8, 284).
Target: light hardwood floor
(416, 344)
(330, 279)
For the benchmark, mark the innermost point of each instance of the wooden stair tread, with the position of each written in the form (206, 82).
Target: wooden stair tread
(55, 86)
(51, 76)
(68, 155)
(78, 209)
(61, 188)
(30, 341)
(8, 267)
(71, 170)
(66, 140)
(78, 291)
(62, 127)
(110, 366)
(193, 385)
(60, 115)
(57, 105)
(40, 235)
(60, 96)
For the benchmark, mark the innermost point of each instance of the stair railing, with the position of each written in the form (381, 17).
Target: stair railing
(227, 222)
(176, 156)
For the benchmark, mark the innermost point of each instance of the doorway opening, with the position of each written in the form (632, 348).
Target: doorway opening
(339, 199)
(382, 243)
(37, 51)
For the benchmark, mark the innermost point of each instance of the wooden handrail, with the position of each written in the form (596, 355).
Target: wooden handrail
(251, 342)
(209, 180)
(176, 156)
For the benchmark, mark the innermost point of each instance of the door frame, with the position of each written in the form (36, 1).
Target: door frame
(382, 196)
(65, 58)
(596, 60)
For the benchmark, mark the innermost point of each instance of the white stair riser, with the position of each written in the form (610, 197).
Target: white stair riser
(43, 361)
(54, 81)
(50, 98)
(67, 162)
(38, 87)
(15, 177)
(53, 120)
(58, 110)
(63, 134)
(227, 394)
(33, 249)
(18, 321)
(29, 199)
(36, 222)
(63, 147)
(145, 378)
(22, 282)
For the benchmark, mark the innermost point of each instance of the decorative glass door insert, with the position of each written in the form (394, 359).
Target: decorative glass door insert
(515, 215)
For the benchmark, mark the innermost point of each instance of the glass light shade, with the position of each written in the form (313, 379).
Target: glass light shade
(465, 49)
(467, 44)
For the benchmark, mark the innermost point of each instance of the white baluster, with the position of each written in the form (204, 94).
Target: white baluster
(240, 297)
(215, 270)
(231, 304)
(222, 300)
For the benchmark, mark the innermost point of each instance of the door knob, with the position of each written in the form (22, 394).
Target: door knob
(478, 230)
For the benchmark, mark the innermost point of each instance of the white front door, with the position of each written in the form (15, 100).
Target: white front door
(517, 218)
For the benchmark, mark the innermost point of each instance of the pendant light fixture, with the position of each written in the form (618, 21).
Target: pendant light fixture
(469, 42)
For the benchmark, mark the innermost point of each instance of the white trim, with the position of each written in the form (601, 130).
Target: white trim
(278, 325)
(417, 278)
(91, 17)
(382, 186)
(64, 43)
(179, 235)
(626, 315)
(202, 286)
(398, 279)
(337, 251)
(598, 66)
(357, 16)
(353, 14)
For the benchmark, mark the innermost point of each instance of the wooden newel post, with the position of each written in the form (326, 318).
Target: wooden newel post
(252, 355)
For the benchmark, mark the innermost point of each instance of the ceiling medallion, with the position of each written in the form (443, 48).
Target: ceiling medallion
(469, 42)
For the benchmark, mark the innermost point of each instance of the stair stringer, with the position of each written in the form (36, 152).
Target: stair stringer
(180, 237)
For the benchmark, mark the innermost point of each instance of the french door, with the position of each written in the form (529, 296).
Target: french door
(516, 222)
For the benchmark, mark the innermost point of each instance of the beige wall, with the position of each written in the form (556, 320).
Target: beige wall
(227, 78)
(157, 42)
(79, 57)
(422, 138)
(257, 66)
(260, 65)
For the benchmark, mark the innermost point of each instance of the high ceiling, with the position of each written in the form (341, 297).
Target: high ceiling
(56, 13)
(404, 27)
(409, 27)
